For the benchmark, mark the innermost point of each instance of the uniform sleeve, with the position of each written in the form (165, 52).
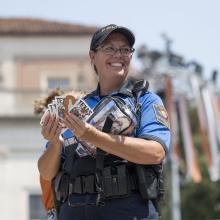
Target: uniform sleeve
(154, 122)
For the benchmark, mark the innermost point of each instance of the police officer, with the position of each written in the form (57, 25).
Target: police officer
(110, 190)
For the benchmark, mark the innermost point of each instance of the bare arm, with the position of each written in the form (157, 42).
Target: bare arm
(49, 162)
(136, 150)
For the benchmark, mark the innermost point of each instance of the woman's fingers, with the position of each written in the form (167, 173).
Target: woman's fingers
(79, 127)
(51, 127)
(54, 125)
(44, 126)
(50, 122)
(70, 123)
(75, 120)
(44, 117)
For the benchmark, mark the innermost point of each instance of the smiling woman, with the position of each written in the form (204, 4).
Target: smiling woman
(114, 181)
(111, 60)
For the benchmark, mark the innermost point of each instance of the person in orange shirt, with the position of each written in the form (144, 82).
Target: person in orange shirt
(47, 193)
(47, 198)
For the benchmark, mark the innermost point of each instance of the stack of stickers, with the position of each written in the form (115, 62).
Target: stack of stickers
(62, 105)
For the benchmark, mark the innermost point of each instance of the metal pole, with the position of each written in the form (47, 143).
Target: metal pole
(175, 189)
(175, 181)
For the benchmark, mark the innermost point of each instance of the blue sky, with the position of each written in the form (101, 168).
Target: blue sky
(193, 25)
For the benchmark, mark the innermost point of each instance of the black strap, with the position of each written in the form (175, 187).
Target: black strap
(140, 87)
(100, 154)
(100, 157)
(70, 151)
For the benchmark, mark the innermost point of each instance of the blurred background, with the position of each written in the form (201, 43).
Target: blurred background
(45, 44)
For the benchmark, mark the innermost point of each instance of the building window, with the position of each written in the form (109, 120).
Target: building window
(62, 83)
(36, 209)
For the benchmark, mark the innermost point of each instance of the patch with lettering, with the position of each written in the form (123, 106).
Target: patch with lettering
(161, 115)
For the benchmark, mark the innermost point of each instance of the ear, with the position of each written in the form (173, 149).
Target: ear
(92, 56)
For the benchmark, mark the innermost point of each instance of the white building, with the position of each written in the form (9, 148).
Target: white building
(35, 55)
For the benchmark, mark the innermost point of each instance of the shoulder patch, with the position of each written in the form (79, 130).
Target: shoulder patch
(161, 115)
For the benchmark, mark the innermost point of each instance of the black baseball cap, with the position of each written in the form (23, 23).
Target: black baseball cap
(101, 34)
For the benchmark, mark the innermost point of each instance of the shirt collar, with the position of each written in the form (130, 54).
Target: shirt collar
(122, 90)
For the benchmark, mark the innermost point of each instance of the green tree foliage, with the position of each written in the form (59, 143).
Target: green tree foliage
(198, 201)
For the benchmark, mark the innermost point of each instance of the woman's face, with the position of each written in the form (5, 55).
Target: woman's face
(112, 68)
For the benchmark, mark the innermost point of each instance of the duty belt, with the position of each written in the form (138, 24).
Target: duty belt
(83, 184)
(112, 184)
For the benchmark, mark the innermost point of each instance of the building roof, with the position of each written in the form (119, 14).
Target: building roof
(31, 26)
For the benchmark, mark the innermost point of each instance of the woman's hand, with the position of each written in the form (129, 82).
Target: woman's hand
(49, 162)
(51, 128)
(82, 130)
